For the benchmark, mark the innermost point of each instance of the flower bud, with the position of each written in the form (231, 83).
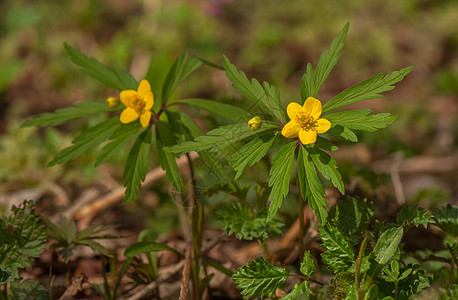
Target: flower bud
(112, 102)
(255, 123)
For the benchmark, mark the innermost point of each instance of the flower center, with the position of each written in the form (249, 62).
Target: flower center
(137, 103)
(305, 121)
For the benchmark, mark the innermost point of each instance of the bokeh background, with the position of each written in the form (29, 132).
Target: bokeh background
(414, 160)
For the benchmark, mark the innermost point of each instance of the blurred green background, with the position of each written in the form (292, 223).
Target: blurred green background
(270, 40)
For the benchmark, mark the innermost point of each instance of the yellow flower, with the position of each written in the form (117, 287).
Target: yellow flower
(255, 123)
(305, 121)
(138, 104)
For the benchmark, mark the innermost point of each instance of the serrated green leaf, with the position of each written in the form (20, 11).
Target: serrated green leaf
(229, 112)
(22, 238)
(328, 60)
(145, 247)
(259, 278)
(251, 152)
(300, 291)
(28, 289)
(307, 83)
(308, 265)
(69, 113)
(343, 132)
(119, 139)
(279, 177)
(415, 282)
(218, 139)
(414, 215)
(136, 165)
(325, 144)
(354, 215)
(114, 77)
(164, 137)
(368, 89)
(447, 219)
(238, 219)
(268, 99)
(310, 184)
(361, 120)
(180, 70)
(327, 167)
(339, 254)
(87, 140)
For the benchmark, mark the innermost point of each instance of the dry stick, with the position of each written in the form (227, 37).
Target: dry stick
(117, 195)
(146, 291)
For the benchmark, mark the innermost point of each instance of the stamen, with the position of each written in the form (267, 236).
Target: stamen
(137, 103)
(305, 120)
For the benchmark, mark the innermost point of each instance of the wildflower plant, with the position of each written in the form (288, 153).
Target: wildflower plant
(366, 259)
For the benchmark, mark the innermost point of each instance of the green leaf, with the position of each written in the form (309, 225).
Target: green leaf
(164, 137)
(218, 266)
(387, 245)
(240, 220)
(414, 283)
(354, 215)
(447, 219)
(307, 83)
(137, 165)
(328, 60)
(339, 254)
(28, 289)
(65, 114)
(308, 265)
(251, 152)
(327, 167)
(368, 89)
(279, 177)
(119, 139)
(145, 247)
(218, 139)
(180, 70)
(344, 132)
(229, 112)
(413, 215)
(22, 238)
(268, 97)
(310, 184)
(299, 291)
(87, 140)
(259, 278)
(114, 77)
(361, 120)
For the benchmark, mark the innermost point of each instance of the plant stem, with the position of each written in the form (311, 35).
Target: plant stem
(362, 249)
(265, 249)
(197, 212)
(301, 223)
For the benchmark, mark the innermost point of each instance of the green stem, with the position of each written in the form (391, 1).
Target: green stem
(306, 278)
(265, 249)
(197, 228)
(301, 223)
(362, 249)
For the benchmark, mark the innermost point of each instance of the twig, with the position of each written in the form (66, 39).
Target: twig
(146, 291)
(117, 195)
(397, 184)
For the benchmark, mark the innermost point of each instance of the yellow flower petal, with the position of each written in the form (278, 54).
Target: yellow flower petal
(307, 136)
(292, 110)
(144, 88)
(126, 96)
(313, 107)
(322, 125)
(291, 129)
(145, 118)
(149, 101)
(128, 115)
